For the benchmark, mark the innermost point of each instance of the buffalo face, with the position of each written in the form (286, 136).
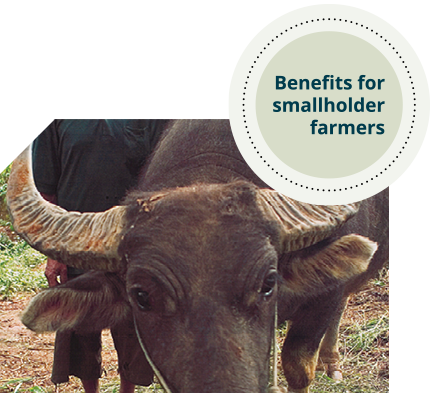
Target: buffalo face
(202, 282)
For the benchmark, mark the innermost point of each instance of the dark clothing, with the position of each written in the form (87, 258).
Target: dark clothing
(80, 355)
(89, 165)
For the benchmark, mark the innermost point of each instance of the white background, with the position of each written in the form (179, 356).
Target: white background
(166, 59)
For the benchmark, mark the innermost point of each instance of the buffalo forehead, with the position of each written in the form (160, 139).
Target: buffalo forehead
(202, 217)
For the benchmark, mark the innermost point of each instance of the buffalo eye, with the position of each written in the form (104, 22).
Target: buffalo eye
(269, 284)
(143, 299)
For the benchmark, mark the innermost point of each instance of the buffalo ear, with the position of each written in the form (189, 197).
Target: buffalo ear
(88, 303)
(326, 265)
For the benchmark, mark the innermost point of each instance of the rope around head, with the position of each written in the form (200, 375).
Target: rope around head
(149, 360)
(273, 389)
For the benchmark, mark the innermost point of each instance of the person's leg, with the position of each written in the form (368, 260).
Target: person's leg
(78, 355)
(61, 361)
(91, 386)
(86, 360)
(126, 386)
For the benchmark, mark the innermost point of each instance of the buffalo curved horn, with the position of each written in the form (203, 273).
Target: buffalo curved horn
(303, 224)
(83, 240)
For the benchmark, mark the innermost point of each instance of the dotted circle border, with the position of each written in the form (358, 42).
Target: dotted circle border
(366, 181)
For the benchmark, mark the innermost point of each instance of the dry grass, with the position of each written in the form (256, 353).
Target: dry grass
(364, 343)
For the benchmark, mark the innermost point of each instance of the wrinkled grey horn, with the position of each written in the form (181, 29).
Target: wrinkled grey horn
(302, 224)
(83, 240)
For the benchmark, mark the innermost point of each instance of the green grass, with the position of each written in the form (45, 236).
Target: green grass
(362, 351)
(113, 387)
(4, 177)
(20, 267)
(362, 338)
(16, 386)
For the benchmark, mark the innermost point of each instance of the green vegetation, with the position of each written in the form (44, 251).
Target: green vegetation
(4, 177)
(20, 269)
(113, 387)
(364, 359)
(16, 386)
(363, 338)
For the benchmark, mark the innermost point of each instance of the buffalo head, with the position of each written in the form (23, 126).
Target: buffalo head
(198, 268)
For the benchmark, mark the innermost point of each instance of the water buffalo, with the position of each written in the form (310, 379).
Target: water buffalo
(200, 255)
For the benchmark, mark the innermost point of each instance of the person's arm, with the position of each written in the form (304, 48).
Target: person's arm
(55, 270)
(49, 197)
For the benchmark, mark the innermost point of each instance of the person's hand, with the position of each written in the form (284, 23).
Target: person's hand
(55, 269)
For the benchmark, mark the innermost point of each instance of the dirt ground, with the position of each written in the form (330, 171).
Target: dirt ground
(26, 358)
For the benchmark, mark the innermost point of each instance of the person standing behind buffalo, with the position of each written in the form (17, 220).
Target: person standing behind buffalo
(87, 166)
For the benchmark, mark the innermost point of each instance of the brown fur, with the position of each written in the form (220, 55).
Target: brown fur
(78, 305)
(324, 267)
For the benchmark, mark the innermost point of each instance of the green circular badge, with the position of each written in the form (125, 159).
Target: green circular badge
(337, 107)
(329, 104)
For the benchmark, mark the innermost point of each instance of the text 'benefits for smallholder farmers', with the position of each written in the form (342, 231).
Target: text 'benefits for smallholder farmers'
(324, 104)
